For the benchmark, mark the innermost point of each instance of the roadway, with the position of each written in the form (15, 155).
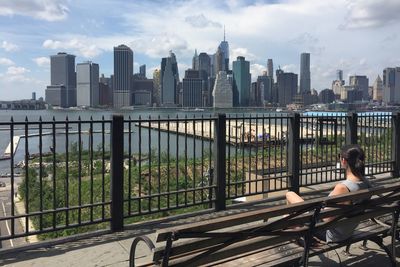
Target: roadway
(5, 210)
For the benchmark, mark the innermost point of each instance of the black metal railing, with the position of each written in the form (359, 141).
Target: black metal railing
(82, 175)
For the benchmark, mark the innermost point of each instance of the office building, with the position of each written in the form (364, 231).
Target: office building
(326, 96)
(156, 87)
(286, 87)
(192, 89)
(361, 83)
(123, 73)
(142, 70)
(224, 46)
(62, 91)
(377, 90)
(105, 94)
(33, 96)
(169, 81)
(222, 92)
(195, 61)
(391, 85)
(218, 61)
(242, 80)
(265, 84)
(339, 76)
(270, 68)
(87, 80)
(305, 77)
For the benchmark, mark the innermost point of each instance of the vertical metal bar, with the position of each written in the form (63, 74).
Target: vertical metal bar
(103, 165)
(210, 167)
(396, 144)
(26, 179)
(249, 184)
(149, 165)
(159, 164)
(220, 160)
(202, 158)
(66, 171)
(257, 142)
(79, 169)
(54, 174)
(229, 157)
(263, 153)
(168, 163)
(129, 165)
(237, 140)
(177, 163)
(117, 173)
(351, 128)
(140, 163)
(293, 147)
(40, 173)
(91, 167)
(194, 159)
(186, 162)
(243, 147)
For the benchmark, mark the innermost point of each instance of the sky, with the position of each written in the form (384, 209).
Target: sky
(361, 37)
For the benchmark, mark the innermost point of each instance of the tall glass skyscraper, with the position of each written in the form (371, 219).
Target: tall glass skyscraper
(305, 79)
(224, 46)
(169, 80)
(123, 74)
(87, 76)
(242, 80)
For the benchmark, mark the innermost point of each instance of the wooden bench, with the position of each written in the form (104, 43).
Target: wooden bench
(267, 236)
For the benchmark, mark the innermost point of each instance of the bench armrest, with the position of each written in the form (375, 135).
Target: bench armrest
(146, 240)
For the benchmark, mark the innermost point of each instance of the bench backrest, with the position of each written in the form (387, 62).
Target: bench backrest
(250, 227)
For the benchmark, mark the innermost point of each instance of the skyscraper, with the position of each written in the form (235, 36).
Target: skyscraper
(361, 83)
(242, 80)
(169, 80)
(195, 61)
(192, 87)
(305, 79)
(270, 68)
(123, 73)
(265, 84)
(377, 89)
(87, 78)
(62, 91)
(157, 87)
(142, 70)
(391, 85)
(339, 76)
(286, 87)
(222, 92)
(224, 46)
(218, 61)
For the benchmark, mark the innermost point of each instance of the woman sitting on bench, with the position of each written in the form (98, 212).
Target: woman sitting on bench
(352, 159)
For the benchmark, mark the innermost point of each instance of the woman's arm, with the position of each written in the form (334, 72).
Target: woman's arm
(339, 189)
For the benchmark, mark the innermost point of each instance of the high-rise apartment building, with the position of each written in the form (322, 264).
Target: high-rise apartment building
(305, 76)
(361, 83)
(62, 91)
(123, 73)
(169, 80)
(87, 80)
(242, 80)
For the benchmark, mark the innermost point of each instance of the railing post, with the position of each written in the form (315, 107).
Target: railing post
(220, 161)
(351, 128)
(396, 144)
(294, 152)
(117, 173)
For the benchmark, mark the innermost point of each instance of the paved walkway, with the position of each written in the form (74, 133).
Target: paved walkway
(113, 249)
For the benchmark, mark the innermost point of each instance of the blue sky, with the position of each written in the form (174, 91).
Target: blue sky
(359, 36)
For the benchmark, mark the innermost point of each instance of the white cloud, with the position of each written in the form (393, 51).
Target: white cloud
(9, 47)
(6, 61)
(200, 21)
(49, 10)
(16, 70)
(241, 51)
(82, 46)
(42, 61)
(256, 70)
(290, 68)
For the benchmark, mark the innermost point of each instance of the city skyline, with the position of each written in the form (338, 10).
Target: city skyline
(330, 30)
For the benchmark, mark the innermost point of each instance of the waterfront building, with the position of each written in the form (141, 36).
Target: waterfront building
(123, 72)
(222, 92)
(242, 80)
(142, 92)
(361, 83)
(87, 79)
(169, 81)
(192, 89)
(377, 90)
(305, 76)
(286, 87)
(391, 85)
(62, 89)
(270, 68)
(337, 88)
(105, 94)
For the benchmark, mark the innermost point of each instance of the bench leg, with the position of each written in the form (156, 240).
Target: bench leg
(146, 240)
(364, 245)
(379, 241)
